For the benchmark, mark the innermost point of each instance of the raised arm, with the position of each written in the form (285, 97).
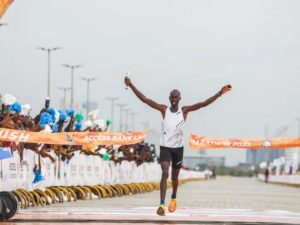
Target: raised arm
(187, 109)
(143, 98)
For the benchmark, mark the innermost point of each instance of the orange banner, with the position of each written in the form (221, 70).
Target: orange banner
(72, 138)
(200, 143)
(4, 5)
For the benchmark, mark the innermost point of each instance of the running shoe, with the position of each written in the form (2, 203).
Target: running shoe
(172, 205)
(161, 211)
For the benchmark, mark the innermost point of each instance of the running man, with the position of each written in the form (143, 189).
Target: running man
(171, 143)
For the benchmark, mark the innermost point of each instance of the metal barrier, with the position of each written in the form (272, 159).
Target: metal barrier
(83, 177)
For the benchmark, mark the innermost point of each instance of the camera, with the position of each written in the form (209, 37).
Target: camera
(47, 102)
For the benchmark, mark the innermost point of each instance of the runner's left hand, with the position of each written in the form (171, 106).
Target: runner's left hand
(225, 89)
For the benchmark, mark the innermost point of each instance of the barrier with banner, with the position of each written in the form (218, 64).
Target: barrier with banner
(80, 170)
(73, 138)
(197, 142)
(292, 180)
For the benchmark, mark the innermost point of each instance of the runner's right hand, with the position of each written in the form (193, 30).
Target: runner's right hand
(127, 81)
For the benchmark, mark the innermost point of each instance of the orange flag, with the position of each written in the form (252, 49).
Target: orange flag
(197, 142)
(4, 5)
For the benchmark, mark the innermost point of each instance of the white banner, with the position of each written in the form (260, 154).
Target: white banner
(80, 170)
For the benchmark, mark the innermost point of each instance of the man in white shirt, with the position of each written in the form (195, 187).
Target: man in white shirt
(171, 142)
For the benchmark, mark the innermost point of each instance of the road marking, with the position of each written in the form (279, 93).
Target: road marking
(182, 212)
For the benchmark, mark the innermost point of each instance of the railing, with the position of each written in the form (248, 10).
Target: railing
(80, 170)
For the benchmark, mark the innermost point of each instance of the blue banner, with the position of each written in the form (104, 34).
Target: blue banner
(4, 153)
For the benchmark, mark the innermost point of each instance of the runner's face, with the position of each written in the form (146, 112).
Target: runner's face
(174, 98)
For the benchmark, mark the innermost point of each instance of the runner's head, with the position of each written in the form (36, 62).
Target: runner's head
(174, 97)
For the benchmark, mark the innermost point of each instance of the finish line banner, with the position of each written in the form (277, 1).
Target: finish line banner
(200, 142)
(72, 138)
(4, 4)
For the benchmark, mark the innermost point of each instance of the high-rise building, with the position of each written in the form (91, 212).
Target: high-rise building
(256, 156)
(292, 154)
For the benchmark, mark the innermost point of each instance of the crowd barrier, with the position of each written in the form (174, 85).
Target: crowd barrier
(80, 170)
(290, 180)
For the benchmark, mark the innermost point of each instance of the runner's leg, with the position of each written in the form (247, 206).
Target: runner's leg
(175, 182)
(164, 177)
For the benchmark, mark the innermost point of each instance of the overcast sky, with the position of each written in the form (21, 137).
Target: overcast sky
(194, 46)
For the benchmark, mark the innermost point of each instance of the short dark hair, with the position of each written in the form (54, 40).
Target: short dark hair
(175, 90)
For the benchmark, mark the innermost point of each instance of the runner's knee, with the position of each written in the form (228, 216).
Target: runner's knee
(165, 175)
(174, 178)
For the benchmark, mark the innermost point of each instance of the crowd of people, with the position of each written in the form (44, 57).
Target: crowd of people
(14, 115)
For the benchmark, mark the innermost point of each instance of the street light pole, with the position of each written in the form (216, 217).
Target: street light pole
(72, 67)
(121, 113)
(284, 130)
(298, 152)
(112, 99)
(126, 119)
(48, 50)
(298, 119)
(64, 89)
(132, 120)
(88, 80)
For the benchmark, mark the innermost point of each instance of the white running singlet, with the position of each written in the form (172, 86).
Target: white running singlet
(172, 129)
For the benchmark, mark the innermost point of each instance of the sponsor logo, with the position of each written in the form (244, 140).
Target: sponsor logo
(225, 143)
(14, 135)
(69, 138)
(179, 163)
(266, 144)
(114, 138)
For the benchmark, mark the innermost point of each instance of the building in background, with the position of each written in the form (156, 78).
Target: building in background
(202, 162)
(292, 155)
(256, 156)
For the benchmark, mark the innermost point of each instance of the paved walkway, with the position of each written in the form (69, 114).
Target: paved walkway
(207, 202)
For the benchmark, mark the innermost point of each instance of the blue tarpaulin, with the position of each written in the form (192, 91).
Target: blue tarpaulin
(4, 153)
